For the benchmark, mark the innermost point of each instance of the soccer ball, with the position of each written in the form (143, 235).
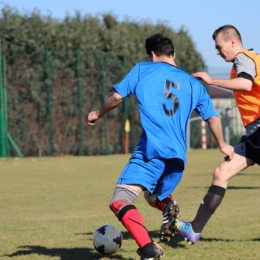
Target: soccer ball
(107, 240)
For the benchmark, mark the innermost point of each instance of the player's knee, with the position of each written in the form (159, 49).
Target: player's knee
(120, 207)
(219, 175)
(216, 173)
(116, 205)
(122, 200)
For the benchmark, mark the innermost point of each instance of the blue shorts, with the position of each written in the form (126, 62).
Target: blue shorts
(162, 175)
(249, 147)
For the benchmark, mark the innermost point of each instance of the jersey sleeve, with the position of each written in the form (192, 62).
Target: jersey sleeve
(204, 106)
(244, 64)
(128, 85)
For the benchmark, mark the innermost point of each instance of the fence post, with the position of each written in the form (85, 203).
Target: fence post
(5, 113)
(80, 105)
(2, 110)
(4, 134)
(104, 99)
(127, 122)
(47, 70)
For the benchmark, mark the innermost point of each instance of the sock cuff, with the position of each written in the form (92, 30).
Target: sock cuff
(168, 199)
(217, 190)
(123, 211)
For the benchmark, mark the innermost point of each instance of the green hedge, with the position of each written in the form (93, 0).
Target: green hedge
(108, 50)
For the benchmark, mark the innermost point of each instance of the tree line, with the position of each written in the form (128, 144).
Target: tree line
(90, 52)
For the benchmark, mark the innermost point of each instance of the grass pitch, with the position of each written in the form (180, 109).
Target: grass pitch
(50, 207)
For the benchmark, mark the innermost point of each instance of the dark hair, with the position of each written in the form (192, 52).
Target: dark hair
(160, 45)
(228, 31)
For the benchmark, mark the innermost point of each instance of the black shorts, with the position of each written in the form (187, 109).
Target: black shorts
(249, 147)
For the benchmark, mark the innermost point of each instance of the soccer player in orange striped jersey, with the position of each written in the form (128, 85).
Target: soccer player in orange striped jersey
(245, 83)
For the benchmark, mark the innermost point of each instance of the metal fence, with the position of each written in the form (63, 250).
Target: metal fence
(46, 95)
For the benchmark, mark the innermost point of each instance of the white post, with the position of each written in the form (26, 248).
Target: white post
(188, 130)
(188, 136)
(203, 134)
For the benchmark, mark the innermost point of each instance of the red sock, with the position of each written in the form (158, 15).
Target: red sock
(133, 222)
(161, 205)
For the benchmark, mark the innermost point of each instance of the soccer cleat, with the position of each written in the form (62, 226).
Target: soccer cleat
(170, 215)
(151, 251)
(185, 229)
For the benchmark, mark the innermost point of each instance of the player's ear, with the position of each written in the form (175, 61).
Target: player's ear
(174, 55)
(233, 42)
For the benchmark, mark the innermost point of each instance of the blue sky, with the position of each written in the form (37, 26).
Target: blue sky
(200, 17)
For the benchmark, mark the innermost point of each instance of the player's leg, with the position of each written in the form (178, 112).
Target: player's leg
(226, 170)
(136, 176)
(122, 204)
(244, 157)
(170, 209)
(247, 153)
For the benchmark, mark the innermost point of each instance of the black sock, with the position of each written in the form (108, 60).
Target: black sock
(207, 207)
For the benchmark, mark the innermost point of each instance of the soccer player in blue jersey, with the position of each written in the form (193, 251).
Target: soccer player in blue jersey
(166, 97)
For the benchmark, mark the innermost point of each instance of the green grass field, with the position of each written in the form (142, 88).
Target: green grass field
(50, 207)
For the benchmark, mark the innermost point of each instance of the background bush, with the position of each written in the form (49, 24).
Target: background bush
(41, 50)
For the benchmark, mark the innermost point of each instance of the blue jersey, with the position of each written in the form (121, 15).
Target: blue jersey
(166, 96)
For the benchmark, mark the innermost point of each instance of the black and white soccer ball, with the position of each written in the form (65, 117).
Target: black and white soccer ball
(107, 240)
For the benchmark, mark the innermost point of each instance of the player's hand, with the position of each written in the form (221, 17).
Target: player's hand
(228, 150)
(92, 117)
(203, 76)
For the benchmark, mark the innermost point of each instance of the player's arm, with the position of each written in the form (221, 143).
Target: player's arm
(216, 129)
(239, 83)
(112, 102)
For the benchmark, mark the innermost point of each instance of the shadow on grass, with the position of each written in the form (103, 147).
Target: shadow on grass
(239, 174)
(126, 235)
(208, 239)
(63, 253)
(88, 253)
(256, 239)
(248, 174)
(243, 187)
(231, 187)
(78, 253)
(175, 241)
